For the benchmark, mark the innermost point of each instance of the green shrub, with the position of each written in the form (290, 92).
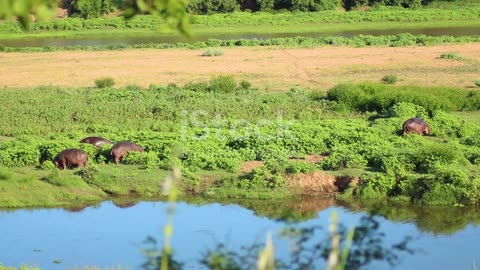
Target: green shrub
(47, 165)
(213, 52)
(440, 194)
(376, 183)
(223, 84)
(104, 82)
(92, 8)
(444, 124)
(406, 110)
(428, 158)
(149, 160)
(451, 56)
(477, 83)
(300, 167)
(341, 157)
(212, 6)
(379, 97)
(389, 79)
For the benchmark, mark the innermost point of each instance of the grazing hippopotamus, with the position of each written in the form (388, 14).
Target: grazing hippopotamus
(71, 158)
(416, 125)
(120, 149)
(97, 141)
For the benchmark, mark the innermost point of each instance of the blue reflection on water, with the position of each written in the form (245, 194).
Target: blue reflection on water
(107, 236)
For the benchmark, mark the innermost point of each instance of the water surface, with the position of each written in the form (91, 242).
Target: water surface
(107, 235)
(174, 38)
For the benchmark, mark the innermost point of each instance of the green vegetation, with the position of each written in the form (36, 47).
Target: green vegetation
(104, 82)
(301, 42)
(213, 52)
(390, 79)
(219, 124)
(467, 16)
(22, 267)
(452, 56)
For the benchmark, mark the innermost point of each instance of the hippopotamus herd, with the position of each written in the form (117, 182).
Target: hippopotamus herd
(78, 158)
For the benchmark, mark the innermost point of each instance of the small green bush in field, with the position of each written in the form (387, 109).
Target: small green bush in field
(477, 83)
(104, 82)
(213, 52)
(389, 79)
(223, 84)
(451, 55)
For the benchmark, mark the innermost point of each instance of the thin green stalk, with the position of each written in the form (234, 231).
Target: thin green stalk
(169, 188)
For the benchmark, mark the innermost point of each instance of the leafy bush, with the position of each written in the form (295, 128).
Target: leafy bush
(406, 110)
(389, 79)
(343, 157)
(380, 97)
(477, 83)
(104, 82)
(429, 158)
(223, 84)
(444, 124)
(92, 8)
(212, 6)
(149, 159)
(300, 167)
(375, 185)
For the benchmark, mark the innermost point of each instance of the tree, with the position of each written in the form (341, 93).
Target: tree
(172, 11)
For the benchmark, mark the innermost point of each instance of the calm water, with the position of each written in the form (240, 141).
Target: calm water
(170, 38)
(107, 235)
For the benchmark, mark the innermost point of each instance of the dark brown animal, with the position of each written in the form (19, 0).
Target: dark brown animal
(121, 149)
(416, 125)
(97, 141)
(71, 158)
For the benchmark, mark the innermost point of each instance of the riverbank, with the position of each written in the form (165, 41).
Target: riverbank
(233, 141)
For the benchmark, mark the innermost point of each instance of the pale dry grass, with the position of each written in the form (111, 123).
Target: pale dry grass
(268, 68)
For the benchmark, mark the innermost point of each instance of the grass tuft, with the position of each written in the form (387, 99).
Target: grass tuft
(213, 52)
(390, 79)
(104, 82)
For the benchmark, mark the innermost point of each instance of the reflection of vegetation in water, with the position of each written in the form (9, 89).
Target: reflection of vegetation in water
(288, 210)
(312, 248)
(433, 219)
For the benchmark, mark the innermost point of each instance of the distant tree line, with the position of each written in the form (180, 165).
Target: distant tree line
(95, 8)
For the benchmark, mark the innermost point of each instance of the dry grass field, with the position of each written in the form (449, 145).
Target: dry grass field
(268, 68)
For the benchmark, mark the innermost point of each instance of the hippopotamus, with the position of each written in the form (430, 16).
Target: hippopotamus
(71, 158)
(121, 149)
(97, 141)
(416, 125)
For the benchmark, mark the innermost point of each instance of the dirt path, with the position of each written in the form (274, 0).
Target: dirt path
(268, 68)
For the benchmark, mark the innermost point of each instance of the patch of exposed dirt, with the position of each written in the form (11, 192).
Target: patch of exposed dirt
(268, 68)
(319, 182)
(249, 166)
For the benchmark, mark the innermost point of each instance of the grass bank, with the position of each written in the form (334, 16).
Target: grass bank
(212, 129)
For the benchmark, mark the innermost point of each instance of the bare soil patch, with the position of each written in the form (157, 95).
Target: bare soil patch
(319, 182)
(251, 165)
(268, 68)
